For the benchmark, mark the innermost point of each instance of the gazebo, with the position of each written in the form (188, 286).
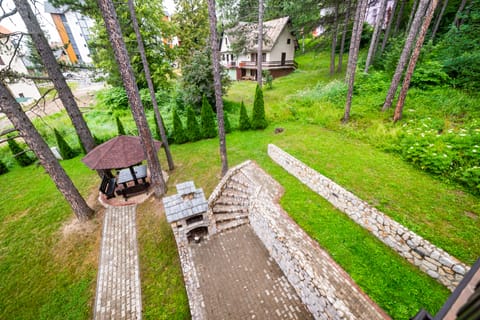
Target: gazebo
(125, 155)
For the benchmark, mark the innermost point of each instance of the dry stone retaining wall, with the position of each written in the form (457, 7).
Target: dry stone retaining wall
(325, 288)
(434, 261)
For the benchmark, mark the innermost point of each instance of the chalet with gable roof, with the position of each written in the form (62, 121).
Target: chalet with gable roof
(239, 47)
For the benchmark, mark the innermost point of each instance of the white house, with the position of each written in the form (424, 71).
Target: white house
(23, 90)
(238, 49)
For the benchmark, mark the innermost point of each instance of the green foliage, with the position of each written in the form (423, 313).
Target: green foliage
(459, 50)
(268, 78)
(429, 73)
(3, 168)
(114, 99)
(65, 150)
(179, 134)
(22, 158)
(244, 123)
(197, 80)
(227, 125)
(193, 130)
(258, 114)
(159, 56)
(207, 120)
(120, 128)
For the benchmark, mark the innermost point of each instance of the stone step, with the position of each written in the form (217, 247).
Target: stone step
(239, 180)
(222, 209)
(230, 216)
(232, 201)
(231, 193)
(222, 226)
(237, 189)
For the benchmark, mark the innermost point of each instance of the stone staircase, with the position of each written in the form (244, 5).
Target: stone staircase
(229, 204)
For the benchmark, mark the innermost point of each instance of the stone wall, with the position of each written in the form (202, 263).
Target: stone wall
(325, 288)
(432, 260)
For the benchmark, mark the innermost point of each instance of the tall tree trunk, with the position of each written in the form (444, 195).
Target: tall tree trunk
(456, 21)
(412, 34)
(218, 84)
(334, 40)
(260, 44)
(128, 77)
(439, 19)
(64, 184)
(399, 17)
(376, 33)
(390, 16)
(413, 60)
(412, 14)
(151, 88)
(344, 34)
(353, 54)
(55, 74)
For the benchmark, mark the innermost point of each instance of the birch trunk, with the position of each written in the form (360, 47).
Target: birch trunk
(344, 35)
(389, 25)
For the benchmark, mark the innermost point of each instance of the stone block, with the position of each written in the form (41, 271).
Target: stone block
(459, 269)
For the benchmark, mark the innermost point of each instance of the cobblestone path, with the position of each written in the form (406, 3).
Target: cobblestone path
(239, 280)
(118, 282)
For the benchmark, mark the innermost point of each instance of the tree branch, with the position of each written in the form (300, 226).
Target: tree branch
(7, 14)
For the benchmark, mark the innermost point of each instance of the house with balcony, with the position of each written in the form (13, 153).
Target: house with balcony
(239, 49)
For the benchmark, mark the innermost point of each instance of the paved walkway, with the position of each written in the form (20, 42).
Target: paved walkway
(118, 282)
(239, 280)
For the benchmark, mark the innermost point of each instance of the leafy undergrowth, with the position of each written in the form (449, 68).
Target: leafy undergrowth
(441, 213)
(45, 273)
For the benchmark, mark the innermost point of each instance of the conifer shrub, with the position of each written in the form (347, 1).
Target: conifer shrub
(207, 120)
(244, 122)
(227, 125)
(193, 130)
(258, 114)
(65, 150)
(120, 128)
(3, 168)
(179, 134)
(22, 158)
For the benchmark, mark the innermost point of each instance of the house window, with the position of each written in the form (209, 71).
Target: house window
(288, 41)
(231, 57)
(228, 58)
(223, 57)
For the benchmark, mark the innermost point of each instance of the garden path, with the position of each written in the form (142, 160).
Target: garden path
(118, 293)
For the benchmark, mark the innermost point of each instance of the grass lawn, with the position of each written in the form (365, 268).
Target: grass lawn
(49, 271)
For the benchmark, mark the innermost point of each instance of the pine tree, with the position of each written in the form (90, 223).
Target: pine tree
(120, 128)
(258, 114)
(228, 126)
(65, 150)
(244, 122)
(193, 131)
(3, 168)
(179, 135)
(20, 156)
(207, 120)
(82, 147)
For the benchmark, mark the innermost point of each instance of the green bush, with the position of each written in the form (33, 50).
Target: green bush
(114, 98)
(65, 150)
(120, 128)
(228, 126)
(429, 73)
(3, 168)
(207, 120)
(258, 114)
(193, 131)
(267, 78)
(244, 122)
(179, 134)
(22, 158)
